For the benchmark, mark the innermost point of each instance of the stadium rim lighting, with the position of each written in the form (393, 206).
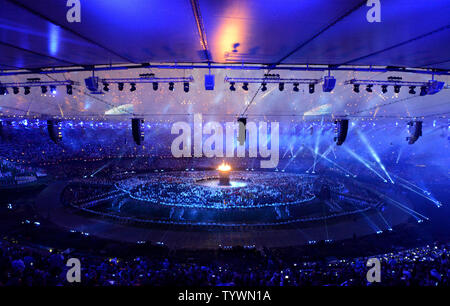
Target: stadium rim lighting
(412, 90)
(105, 87)
(369, 88)
(171, 86)
(281, 86)
(311, 88)
(384, 89)
(232, 88)
(43, 89)
(27, 90)
(133, 87)
(155, 86)
(186, 86)
(16, 90)
(69, 89)
(397, 88)
(295, 87)
(245, 86)
(120, 86)
(356, 88)
(53, 89)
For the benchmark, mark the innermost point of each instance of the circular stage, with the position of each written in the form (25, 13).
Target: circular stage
(202, 189)
(187, 209)
(247, 199)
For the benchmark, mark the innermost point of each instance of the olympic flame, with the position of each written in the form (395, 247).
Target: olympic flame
(224, 167)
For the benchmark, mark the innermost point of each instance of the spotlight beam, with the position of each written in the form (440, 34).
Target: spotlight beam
(327, 151)
(371, 223)
(389, 227)
(437, 203)
(421, 189)
(364, 162)
(289, 149)
(334, 152)
(286, 152)
(399, 155)
(293, 157)
(401, 206)
(316, 145)
(332, 162)
(100, 169)
(374, 154)
(405, 208)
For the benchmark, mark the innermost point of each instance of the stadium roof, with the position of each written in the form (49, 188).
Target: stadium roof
(35, 34)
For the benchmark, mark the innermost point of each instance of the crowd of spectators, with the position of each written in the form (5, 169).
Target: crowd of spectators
(33, 145)
(12, 173)
(423, 266)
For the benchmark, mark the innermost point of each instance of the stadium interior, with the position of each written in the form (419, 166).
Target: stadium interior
(224, 143)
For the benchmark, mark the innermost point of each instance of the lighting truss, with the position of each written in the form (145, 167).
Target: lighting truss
(150, 79)
(209, 66)
(38, 83)
(385, 82)
(426, 88)
(272, 80)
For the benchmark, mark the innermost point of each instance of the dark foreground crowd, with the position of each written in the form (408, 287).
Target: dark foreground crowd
(23, 266)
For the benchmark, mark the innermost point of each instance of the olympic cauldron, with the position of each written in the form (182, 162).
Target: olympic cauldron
(224, 174)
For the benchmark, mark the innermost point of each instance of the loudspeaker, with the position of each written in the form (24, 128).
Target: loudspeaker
(209, 81)
(137, 130)
(328, 83)
(418, 129)
(434, 87)
(54, 130)
(242, 132)
(416, 133)
(341, 130)
(92, 85)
